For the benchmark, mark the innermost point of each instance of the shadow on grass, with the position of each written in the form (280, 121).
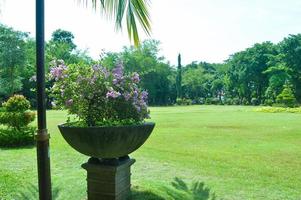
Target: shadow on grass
(31, 192)
(196, 191)
(144, 195)
(178, 190)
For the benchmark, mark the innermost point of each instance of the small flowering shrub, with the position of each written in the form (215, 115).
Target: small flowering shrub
(98, 96)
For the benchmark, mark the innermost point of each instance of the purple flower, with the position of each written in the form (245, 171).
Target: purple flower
(93, 79)
(69, 102)
(113, 94)
(57, 72)
(144, 95)
(96, 68)
(127, 96)
(138, 108)
(135, 77)
(118, 71)
(115, 81)
(105, 72)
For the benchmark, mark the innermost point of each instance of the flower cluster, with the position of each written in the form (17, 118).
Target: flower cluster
(97, 95)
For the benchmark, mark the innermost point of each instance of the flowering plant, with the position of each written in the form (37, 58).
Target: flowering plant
(98, 96)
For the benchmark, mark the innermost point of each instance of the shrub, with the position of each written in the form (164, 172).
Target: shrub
(16, 117)
(16, 114)
(245, 101)
(183, 101)
(17, 120)
(236, 101)
(254, 101)
(268, 102)
(286, 97)
(278, 110)
(98, 96)
(16, 103)
(229, 101)
(15, 138)
(215, 101)
(208, 101)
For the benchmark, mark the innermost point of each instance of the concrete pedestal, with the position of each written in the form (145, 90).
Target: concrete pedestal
(108, 180)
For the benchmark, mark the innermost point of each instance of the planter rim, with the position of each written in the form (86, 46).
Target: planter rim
(97, 127)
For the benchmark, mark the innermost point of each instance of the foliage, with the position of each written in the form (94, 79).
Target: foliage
(12, 59)
(279, 110)
(132, 10)
(254, 76)
(286, 97)
(157, 77)
(63, 36)
(16, 117)
(10, 137)
(99, 96)
(16, 103)
(16, 114)
(183, 101)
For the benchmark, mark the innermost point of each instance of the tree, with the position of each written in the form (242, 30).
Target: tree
(290, 48)
(286, 97)
(133, 10)
(156, 75)
(63, 36)
(245, 75)
(12, 60)
(62, 47)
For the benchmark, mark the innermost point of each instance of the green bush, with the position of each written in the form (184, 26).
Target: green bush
(208, 101)
(236, 101)
(286, 97)
(183, 101)
(278, 110)
(228, 101)
(16, 114)
(15, 138)
(17, 120)
(16, 103)
(215, 101)
(254, 101)
(268, 102)
(15, 117)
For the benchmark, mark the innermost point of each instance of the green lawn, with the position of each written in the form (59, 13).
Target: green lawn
(235, 152)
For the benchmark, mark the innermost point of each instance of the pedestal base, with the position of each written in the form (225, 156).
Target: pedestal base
(108, 181)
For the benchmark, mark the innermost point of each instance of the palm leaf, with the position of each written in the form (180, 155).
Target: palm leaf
(132, 10)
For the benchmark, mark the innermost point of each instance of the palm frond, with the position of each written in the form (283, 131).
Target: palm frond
(132, 10)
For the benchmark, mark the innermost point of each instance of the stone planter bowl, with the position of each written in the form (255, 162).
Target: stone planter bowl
(107, 142)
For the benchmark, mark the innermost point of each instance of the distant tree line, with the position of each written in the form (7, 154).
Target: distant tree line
(265, 73)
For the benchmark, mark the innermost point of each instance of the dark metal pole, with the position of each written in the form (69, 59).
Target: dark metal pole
(42, 137)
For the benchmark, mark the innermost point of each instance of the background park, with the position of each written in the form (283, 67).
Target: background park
(226, 129)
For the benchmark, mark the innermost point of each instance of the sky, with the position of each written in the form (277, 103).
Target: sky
(201, 30)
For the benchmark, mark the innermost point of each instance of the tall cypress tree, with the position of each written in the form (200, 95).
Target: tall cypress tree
(179, 78)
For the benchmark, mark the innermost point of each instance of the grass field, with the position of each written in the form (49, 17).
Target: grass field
(235, 152)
